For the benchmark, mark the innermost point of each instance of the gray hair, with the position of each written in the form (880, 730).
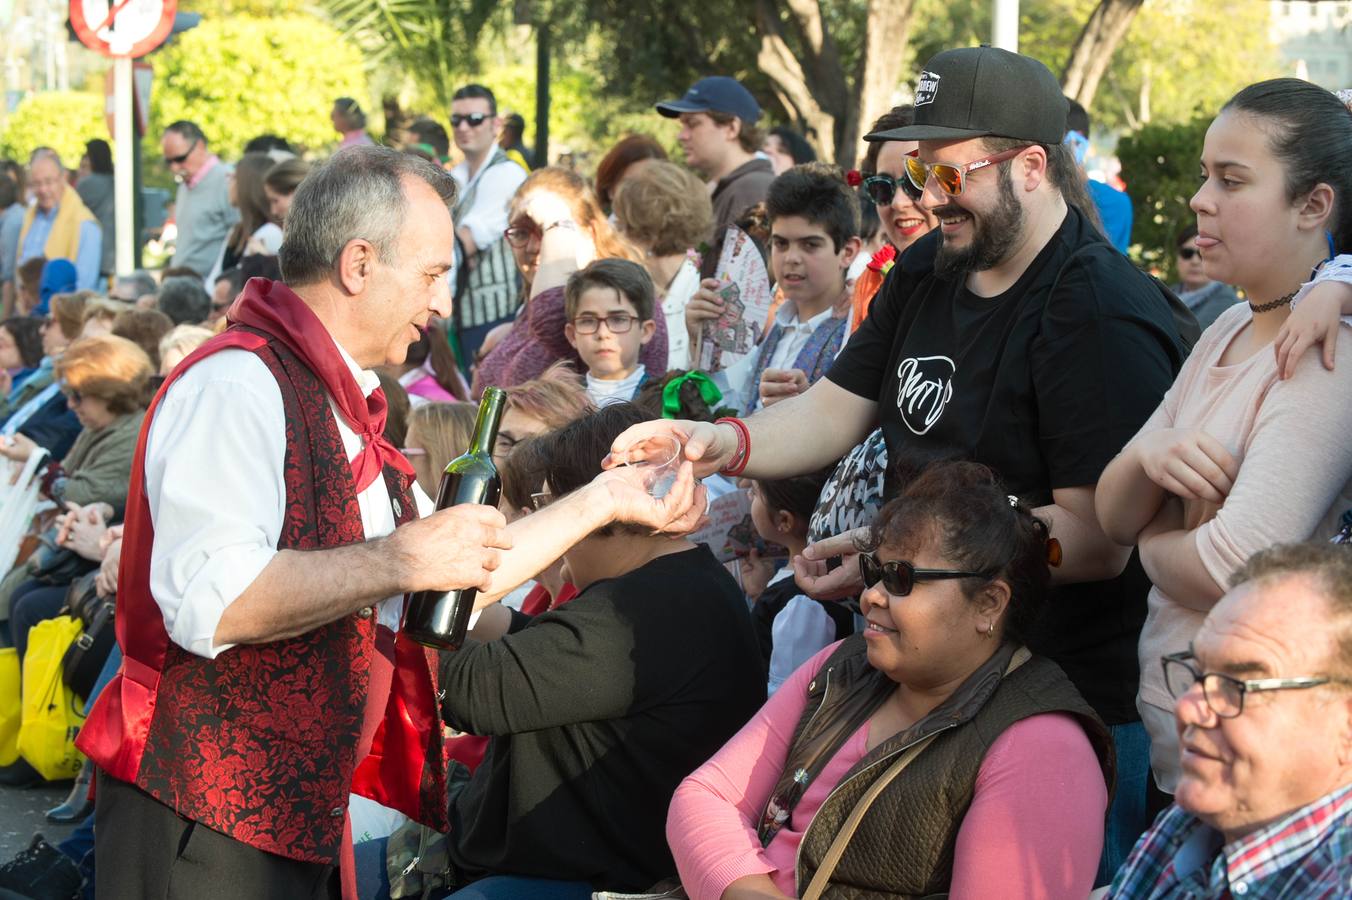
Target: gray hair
(184, 300)
(142, 283)
(1328, 567)
(356, 194)
(48, 154)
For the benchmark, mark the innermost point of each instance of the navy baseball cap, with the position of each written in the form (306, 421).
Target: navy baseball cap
(717, 93)
(984, 91)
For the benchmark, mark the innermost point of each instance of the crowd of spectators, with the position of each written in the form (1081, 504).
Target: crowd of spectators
(1011, 520)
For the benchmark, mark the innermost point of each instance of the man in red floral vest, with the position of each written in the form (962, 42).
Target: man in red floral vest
(272, 532)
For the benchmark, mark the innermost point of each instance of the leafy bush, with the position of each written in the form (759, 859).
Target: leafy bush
(62, 120)
(244, 76)
(1160, 165)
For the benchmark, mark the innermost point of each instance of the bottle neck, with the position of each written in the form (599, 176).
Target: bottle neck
(486, 426)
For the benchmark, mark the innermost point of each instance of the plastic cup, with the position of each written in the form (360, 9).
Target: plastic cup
(660, 459)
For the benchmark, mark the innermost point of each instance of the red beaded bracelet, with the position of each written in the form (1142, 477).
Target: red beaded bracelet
(737, 464)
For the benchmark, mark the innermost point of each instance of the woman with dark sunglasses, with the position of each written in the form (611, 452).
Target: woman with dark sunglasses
(1206, 298)
(990, 768)
(904, 220)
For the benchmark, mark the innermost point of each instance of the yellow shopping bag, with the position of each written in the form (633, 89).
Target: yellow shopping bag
(52, 714)
(10, 709)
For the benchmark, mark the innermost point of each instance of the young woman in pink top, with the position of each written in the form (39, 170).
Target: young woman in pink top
(1238, 457)
(1007, 798)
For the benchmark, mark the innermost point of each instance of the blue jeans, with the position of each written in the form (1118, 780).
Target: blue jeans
(80, 845)
(510, 887)
(373, 879)
(1127, 816)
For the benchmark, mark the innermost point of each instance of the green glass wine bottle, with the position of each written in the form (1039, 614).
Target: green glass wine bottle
(439, 618)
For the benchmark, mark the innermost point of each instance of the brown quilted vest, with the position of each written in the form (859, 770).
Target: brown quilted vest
(904, 845)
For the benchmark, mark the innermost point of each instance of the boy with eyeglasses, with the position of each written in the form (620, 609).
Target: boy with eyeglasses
(609, 306)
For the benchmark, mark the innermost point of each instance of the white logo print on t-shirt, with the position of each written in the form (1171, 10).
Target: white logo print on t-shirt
(924, 387)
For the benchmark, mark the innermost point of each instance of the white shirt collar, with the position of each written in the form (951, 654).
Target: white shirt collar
(366, 379)
(787, 315)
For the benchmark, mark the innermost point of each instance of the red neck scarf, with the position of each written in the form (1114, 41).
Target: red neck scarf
(273, 308)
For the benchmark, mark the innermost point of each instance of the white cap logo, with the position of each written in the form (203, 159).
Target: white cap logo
(926, 89)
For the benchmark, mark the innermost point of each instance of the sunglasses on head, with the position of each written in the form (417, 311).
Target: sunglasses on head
(952, 180)
(882, 188)
(473, 120)
(900, 577)
(1187, 253)
(182, 157)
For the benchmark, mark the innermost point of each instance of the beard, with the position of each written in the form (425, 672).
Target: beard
(994, 233)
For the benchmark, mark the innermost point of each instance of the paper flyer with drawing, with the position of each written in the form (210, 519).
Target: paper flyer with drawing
(747, 299)
(730, 533)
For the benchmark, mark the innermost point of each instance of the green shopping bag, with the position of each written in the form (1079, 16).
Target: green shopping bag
(52, 714)
(10, 708)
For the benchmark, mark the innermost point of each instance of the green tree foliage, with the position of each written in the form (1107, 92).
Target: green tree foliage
(244, 76)
(432, 43)
(1160, 163)
(62, 120)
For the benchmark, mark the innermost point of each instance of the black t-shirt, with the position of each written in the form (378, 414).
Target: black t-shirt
(1045, 387)
(597, 710)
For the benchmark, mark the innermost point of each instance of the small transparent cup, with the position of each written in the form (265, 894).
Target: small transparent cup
(660, 459)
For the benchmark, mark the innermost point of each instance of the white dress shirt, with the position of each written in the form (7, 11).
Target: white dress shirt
(486, 219)
(795, 334)
(214, 480)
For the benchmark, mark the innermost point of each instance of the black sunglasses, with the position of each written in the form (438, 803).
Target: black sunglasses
(882, 189)
(1186, 253)
(899, 577)
(473, 120)
(182, 157)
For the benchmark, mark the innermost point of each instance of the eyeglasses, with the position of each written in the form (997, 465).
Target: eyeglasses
(182, 157)
(1187, 253)
(618, 323)
(899, 577)
(520, 235)
(412, 451)
(473, 120)
(952, 180)
(540, 499)
(1224, 693)
(882, 188)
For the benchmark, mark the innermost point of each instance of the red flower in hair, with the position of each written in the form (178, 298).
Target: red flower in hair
(853, 178)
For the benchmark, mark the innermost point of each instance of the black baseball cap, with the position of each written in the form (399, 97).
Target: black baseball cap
(984, 91)
(717, 93)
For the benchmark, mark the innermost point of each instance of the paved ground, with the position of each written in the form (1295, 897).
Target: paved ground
(21, 816)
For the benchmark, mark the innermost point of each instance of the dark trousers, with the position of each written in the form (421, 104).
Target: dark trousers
(145, 851)
(31, 603)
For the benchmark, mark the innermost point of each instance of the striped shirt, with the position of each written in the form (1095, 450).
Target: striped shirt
(1306, 855)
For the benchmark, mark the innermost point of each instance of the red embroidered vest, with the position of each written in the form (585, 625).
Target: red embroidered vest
(261, 742)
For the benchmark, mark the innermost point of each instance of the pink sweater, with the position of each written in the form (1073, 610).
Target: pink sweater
(1035, 826)
(1293, 441)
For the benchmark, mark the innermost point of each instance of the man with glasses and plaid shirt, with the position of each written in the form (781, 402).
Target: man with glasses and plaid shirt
(1264, 716)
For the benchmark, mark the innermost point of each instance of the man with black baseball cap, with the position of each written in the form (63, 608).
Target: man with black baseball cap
(719, 138)
(1015, 336)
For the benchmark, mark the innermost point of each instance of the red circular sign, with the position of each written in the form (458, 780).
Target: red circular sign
(122, 27)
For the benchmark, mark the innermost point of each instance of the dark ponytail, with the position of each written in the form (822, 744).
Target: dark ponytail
(1311, 135)
(963, 512)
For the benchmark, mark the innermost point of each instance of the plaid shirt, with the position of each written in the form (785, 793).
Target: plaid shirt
(1305, 856)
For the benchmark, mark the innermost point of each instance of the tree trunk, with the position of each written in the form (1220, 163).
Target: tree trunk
(1093, 49)
(889, 22)
(810, 82)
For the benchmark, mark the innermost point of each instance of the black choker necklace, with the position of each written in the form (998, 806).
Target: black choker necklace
(1268, 307)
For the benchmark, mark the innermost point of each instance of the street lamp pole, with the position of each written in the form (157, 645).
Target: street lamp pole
(1005, 24)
